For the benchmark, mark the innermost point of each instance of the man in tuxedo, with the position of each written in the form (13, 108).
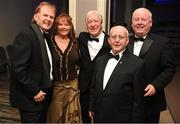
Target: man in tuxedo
(116, 93)
(156, 51)
(31, 81)
(92, 44)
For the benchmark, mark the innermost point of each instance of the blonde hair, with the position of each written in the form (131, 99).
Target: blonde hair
(52, 6)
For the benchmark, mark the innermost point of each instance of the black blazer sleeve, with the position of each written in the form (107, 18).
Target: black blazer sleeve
(21, 55)
(167, 65)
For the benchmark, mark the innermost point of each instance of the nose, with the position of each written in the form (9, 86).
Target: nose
(92, 23)
(63, 26)
(117, 38)
(49, 18)
(140, 21)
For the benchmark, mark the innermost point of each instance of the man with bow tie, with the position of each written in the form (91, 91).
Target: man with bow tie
(116, 93)
(156, 51)
(92, 44)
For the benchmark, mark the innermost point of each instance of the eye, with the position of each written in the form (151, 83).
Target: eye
(89, 21)
(52, 17)
(117, 37)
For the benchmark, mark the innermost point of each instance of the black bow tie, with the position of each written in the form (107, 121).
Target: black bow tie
(94, 39)
(114, 56)
(46, 35)
(139, 39)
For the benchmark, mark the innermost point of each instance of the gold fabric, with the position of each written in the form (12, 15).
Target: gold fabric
(65, 105)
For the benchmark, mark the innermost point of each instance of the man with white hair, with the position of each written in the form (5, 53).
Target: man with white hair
(92, 44)
(116, 93)
(156, 51)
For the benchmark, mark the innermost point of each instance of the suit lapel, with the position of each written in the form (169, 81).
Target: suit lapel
(131, 46)
(117, 69)
(86, 38)
(101, 72)
(44, 55)
(146, 45)
(104, 46)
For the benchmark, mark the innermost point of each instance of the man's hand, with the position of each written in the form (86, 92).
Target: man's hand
(150, 90)
(40, 96)
(91, 115)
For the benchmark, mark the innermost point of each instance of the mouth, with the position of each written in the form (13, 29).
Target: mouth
(93, 29)
(47, 23)
(140, 27)
(117, 45)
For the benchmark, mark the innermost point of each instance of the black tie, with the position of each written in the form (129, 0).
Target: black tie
(46, 35)
(139, 39)
(114, 56)
(94, 39)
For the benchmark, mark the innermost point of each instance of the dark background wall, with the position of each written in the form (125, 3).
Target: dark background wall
(121, 11)
(15, 15)
(166, 17)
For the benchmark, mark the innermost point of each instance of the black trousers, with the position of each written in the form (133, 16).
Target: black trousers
(84, 101)
(37, 116)
(152, 118)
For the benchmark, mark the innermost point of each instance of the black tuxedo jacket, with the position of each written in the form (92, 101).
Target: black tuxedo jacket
(158, 56)
(30, 69)
(86, 65)
(122, 99)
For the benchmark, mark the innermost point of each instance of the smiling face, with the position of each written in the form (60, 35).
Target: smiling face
(63, 27)
(141, 22)
(45, 17)
(94, 23)
(118, 39)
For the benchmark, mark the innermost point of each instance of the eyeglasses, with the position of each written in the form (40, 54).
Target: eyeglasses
(117, 37)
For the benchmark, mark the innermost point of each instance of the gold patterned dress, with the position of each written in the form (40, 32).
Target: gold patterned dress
(65, 105)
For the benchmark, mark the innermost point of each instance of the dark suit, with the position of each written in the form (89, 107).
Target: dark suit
(30, 70)
(86, 70)
(159, 68)
(122, 99)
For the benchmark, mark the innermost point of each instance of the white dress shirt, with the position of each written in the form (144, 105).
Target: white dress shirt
(138, 46)
(111, 64)
(49, 57)
(94, 46)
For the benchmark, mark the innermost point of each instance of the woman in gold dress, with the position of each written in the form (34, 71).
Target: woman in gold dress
(65, 105)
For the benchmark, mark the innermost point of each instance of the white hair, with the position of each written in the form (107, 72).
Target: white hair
(120, 27)
(145, 10)
(94, 12)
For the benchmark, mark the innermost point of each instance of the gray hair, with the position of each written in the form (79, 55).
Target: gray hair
(94, 12)
(145, 10)
(120, 27)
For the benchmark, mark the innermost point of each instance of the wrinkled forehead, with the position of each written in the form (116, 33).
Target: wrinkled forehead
(93, 15)
(119, 30)
(46, 8)
(143, 13)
